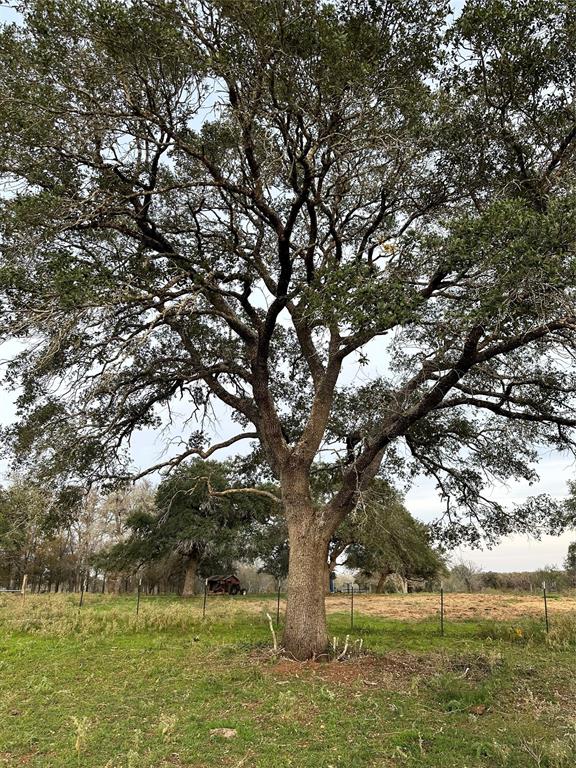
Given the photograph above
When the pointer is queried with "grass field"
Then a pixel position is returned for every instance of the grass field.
(104, 688)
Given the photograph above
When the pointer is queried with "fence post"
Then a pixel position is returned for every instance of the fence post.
(205, 595)
(442, 609)
(82, 587)
(352, 608)
(545, 607)
(138, 598)
(24, 583)
(278, 605)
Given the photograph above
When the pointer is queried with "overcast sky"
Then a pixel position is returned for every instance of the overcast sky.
(513, 554)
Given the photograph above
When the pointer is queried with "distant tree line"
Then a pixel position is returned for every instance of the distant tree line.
(467, 577)
(199, 521)
(56, 536)
(195, 523)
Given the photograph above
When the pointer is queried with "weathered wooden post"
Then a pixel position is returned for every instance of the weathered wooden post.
(82, 588)
(278, 605)
(24, 583)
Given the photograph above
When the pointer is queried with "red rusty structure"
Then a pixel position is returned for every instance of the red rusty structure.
(224, 585)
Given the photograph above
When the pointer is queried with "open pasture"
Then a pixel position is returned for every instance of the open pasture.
(457, 606)
(103, 688)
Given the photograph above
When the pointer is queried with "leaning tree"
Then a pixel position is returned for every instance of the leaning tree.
(222, 200)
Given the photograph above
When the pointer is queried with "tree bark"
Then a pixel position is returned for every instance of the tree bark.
(305, 632)
(381, 580)
(113, 584)
(191, 571)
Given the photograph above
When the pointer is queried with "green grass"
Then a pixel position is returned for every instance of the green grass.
(102, 688)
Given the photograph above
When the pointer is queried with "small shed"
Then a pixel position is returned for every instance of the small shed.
(224, 585)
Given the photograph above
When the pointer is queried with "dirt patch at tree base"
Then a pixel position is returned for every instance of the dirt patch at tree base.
(395, 671)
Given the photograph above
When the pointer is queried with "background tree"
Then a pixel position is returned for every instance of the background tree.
(379, 537)
(230, 200)
(23, 512)
(570, 563)
(54, 535)
(207, 531)
(465, 577)
(113, 514)
(385, 539)
(33, 518)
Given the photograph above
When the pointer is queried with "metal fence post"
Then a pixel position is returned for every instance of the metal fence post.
(138, 598)
(352, 608)
(24, 583)
(545, 607)
(82, 587)
(442, 610)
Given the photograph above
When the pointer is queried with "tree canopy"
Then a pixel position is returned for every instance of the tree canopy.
(221, 200)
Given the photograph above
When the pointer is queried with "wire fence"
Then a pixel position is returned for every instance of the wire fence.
(442, 603)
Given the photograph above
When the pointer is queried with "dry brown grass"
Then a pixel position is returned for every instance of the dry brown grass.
(457, 606)
(414, 607)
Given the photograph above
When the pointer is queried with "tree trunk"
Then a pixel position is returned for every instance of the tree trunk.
(381, 580)
(15, 581)
(113, 584)
(191, 572)
(305, 632)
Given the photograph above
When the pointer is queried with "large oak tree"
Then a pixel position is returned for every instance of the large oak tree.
(238, 201)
